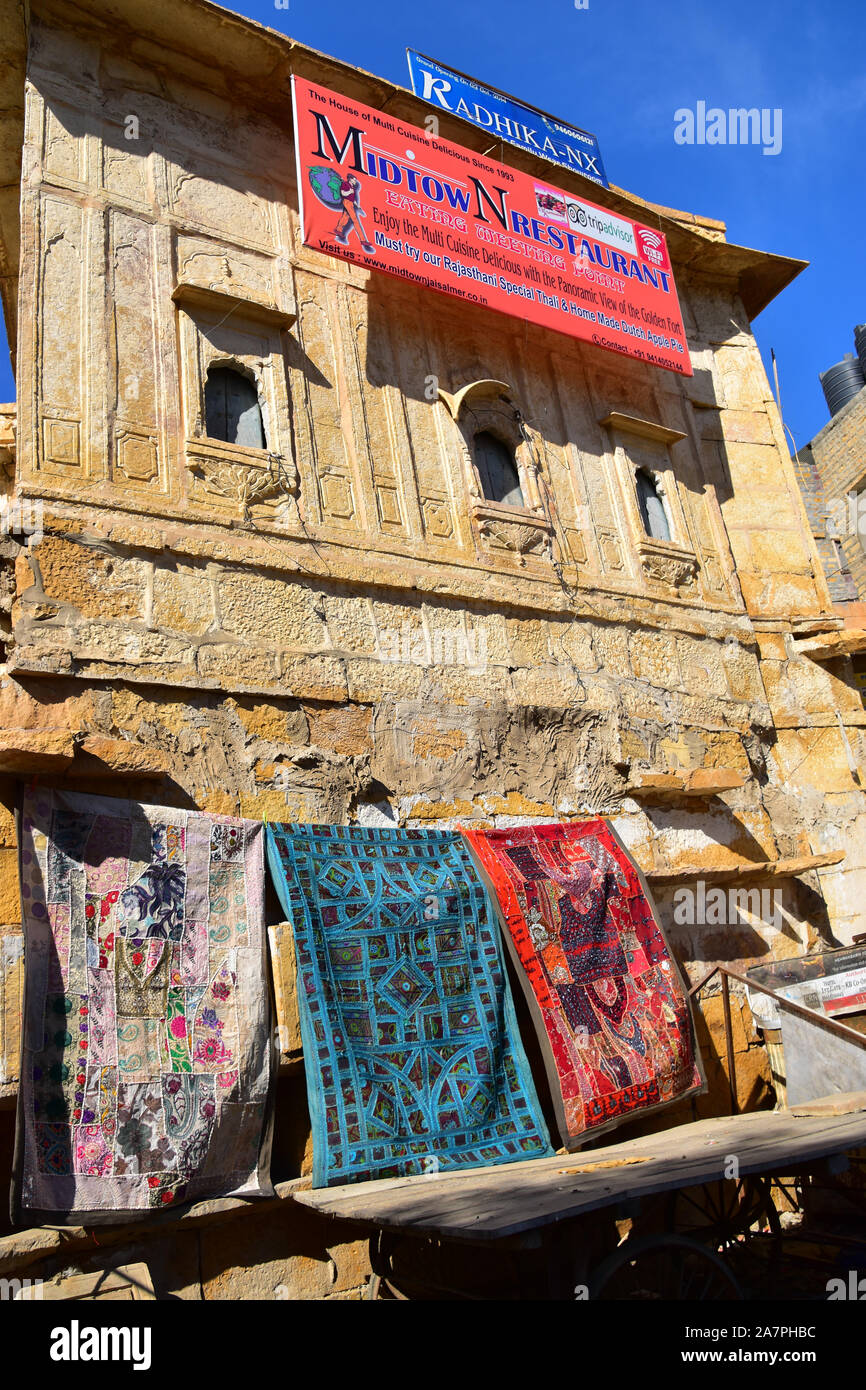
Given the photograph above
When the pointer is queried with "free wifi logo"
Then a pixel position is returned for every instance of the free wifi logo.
(652, 247)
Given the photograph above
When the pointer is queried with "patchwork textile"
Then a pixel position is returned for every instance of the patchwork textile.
(147, 1049)
(608, 1002)
(413, 1059)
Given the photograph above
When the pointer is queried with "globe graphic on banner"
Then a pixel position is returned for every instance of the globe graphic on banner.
(325, 184)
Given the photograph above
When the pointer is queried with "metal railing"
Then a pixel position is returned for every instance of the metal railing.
(829, 1025)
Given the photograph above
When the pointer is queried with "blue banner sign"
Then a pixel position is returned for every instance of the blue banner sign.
(521, 125)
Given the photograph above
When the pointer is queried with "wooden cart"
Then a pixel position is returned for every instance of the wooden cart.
(687, 1212)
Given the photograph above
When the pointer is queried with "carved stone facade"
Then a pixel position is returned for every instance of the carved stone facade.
(273, 631)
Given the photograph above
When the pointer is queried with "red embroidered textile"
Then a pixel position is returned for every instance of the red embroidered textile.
(605, 993)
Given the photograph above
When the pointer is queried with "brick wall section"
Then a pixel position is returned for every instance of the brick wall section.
(839, 456)
(834, 561)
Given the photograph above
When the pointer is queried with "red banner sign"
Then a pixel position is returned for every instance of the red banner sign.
(380, 193)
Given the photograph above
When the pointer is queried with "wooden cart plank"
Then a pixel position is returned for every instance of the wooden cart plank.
(491, 1203)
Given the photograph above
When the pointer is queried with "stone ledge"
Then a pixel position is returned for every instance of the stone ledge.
(701, 782)
(117, 757)
(31, 751)
(767, 868)
(193, 297)
(826, 646)
(36, 750)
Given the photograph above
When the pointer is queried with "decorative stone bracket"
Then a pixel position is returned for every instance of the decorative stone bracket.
(242, 483)
(664, 562)
(515, 529)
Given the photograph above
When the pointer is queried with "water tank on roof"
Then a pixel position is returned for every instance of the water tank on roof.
(841, 382)
(860, 345)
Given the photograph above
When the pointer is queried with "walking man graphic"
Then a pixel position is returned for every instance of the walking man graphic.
(350, 197)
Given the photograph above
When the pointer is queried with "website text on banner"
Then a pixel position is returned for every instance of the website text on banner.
(377, 192)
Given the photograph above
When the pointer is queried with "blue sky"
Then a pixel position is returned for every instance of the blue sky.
(621, 68)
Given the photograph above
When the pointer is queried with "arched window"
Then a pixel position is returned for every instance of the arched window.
(232, 410)
(497, 470)
(652, 507)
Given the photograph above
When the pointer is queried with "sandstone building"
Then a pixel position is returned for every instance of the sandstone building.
(265, 553)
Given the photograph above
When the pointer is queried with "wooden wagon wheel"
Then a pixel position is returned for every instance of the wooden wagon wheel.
(380, 1285)
(734, 1217)
(664, 1268)
(721, 1212)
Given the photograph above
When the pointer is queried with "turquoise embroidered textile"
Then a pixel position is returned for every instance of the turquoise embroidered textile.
(413, 1059)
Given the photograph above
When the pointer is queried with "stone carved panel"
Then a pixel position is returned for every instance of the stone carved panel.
(335, 487)
(60, 366)
(208, 199)
(63, 154)
(133, 345)
(611, 550)
(136, 456)
(319, 378)
(388, 497)
(438, 521)
(124, 166)
(713, 573)
(228, 482)
(201, 261)
(576, 546)
(521, 537)
(61, 442)
(372, 413)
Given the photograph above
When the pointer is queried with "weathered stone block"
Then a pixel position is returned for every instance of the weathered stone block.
(553, 687)
(10, 898)
(780, 552)
(572, 640)
(743, 674)
(702, 666)
(235, 666)
(97, 585)
(528, 642)
(271, 722)
(183, 600)
(314, 677)
(779, 595)
(273, 610)
(11, 1000)
(350, 624)
(346, 730)
(35, 750)
(654, 658)
(370, 680)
